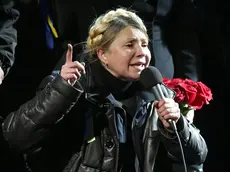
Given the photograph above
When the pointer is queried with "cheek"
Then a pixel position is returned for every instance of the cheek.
(148, 58)
(125, 59)
(120, 63)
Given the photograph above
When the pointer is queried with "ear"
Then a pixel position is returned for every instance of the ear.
(102, 56)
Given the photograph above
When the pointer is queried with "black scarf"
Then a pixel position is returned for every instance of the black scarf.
(105, 83)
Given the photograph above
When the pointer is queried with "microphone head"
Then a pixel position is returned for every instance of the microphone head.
(150, 77)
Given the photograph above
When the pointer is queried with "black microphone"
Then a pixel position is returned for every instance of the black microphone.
(151, 80)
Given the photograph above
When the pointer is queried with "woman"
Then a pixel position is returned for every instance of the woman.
(90, 117)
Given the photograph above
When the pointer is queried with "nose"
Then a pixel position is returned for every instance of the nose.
(141, 51)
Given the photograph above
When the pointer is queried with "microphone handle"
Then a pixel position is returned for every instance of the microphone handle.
(156, 93)
(160, 92)
(160, 95)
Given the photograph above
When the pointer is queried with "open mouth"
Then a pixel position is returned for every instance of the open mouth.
(139, 66)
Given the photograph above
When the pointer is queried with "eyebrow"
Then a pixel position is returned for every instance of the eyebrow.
(135, 39)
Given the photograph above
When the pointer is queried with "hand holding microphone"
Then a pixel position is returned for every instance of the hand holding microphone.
(167, 109)
(71, 70)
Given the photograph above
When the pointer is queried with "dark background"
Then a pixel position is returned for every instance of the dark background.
(34, 61)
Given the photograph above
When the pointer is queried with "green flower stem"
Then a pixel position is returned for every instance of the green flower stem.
(184, 108)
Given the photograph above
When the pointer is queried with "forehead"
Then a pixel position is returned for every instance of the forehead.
(130, 33)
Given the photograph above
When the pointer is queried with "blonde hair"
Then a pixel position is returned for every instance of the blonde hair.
(105, 28)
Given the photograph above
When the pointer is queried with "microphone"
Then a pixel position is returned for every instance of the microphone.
(151, 80)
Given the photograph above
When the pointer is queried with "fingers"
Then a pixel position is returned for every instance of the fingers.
(81, 66)
(167, 109)
(173, 116)
(165, 123)
(165, 105)
(69, 54)
(75, 65)
(70, 77)
(83, 63)
(73, 68)
(72, 71)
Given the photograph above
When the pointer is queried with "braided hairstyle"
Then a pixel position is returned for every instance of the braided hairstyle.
(106, 27)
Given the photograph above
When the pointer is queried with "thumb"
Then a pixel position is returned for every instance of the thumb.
(69, 54)
(83, 63)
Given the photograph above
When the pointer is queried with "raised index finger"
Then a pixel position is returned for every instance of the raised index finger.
(69, 54)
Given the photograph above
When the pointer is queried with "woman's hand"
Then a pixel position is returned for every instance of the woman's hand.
(167, 109)
(71, 70)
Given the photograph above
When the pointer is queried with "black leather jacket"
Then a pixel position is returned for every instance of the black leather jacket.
(64, 128)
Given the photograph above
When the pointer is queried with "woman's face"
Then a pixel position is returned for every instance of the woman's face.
(128, 54)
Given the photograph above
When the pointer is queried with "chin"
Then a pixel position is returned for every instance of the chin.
(135, 77)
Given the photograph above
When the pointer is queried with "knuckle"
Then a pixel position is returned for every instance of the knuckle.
(168, 110)
(77, 62)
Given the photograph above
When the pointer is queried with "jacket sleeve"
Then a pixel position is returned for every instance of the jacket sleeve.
(8, 34)
(31, 123)
(194, 146)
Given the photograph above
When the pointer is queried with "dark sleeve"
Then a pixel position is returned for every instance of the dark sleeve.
(31, 123)
(8, 34)
(194, 145)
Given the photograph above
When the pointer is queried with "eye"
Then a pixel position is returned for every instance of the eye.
(130, 45)
(144, 44)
